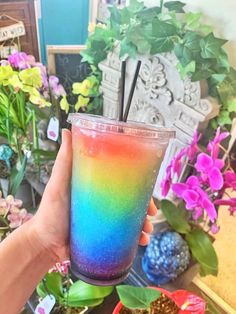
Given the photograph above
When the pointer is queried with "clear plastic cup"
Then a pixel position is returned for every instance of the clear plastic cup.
(115, 165)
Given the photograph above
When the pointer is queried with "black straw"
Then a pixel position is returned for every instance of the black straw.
(122, 98)
(131, 94)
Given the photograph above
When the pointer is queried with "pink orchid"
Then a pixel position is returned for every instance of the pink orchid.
(17, 218)
(210, 170)
(62, 267)
(195, 198)
(228, 202)
(193, 148)
(214, 228)
(230, 180)
(177, 161)
(166, 183)
(213, 146)
(20, 60)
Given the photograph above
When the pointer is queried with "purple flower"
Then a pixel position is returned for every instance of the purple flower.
(177, 162)
(229, 202)
(214, 228)
(210, 170)
(166, 183)
(193, 149)
(213, 146)
(195, 198)
(20, 60)
(230, 180)
(56, 88)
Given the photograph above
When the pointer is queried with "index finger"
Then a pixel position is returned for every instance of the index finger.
(152, 209)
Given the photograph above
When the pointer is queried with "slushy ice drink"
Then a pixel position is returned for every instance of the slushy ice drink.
(115, 165)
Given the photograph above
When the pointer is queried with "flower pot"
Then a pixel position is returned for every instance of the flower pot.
(187, 302)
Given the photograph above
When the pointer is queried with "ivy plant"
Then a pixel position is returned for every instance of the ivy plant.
(169, 28)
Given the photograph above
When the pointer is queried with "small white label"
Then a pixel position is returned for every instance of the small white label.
(46, 305)
(53, 129)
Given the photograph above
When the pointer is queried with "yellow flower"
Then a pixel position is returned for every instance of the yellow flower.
(64, 104)
(6, 72)
(81, 102)
(37, 99)
(31, 77)
(15, 82)
(82, 88)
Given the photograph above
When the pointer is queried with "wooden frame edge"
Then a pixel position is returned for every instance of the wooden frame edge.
(63, 49)
(213, 296)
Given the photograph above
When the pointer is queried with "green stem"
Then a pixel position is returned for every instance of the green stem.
(161, 4)
(35, 138)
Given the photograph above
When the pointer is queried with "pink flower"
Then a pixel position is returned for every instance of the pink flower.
(214, 228)
(210, 170)
(195, 198)
(230, 180)
(213, 146)
(229, 202)
(166, 183)
(177, 161)
(56, 88)
(61, 267)
(20, 60)
(17, 218)
(193, 149)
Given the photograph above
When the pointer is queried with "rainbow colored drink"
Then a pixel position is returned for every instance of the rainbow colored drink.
(115, 165)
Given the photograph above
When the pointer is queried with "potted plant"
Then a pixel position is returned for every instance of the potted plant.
(155, 300)
(71, 297)
(162, 29)
(206, 181)
(25, 92)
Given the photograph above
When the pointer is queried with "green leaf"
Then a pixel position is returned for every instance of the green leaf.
(227, 88)
(211, 46)
(188, 69)
(224, 118)
(78, 303)
(163, 33)
(203, 71)
(115, 16)
(175, 216)
(189, 50)
(136, 297)
(46, 155)
(53, 282)
(203, 251)
(139, 36)
(83, 292)
(192, 20)
(231, 104)
(149, 13)
(125, 16)
(17, 177)
(135, 6)
(176, 6)
(127, 48)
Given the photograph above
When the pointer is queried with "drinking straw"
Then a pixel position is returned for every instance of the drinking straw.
(122, 98)
(131, 94)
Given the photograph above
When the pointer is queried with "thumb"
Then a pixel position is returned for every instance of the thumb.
(60, 179)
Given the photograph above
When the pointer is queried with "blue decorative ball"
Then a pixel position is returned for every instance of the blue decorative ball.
(166, 257)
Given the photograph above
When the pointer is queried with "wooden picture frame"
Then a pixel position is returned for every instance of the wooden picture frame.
(53, 50)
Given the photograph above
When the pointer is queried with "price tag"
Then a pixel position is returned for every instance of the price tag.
(53, 129)
(46, 305)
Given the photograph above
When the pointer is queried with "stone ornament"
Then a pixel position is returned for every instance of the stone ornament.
(161, 98)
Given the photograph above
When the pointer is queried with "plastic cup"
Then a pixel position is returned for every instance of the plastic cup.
(115, 165)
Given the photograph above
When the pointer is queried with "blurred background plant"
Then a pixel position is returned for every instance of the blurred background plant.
(12, 215)
(166, 28)
(27, 94)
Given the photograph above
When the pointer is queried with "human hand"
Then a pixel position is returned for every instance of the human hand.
(51, 222)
